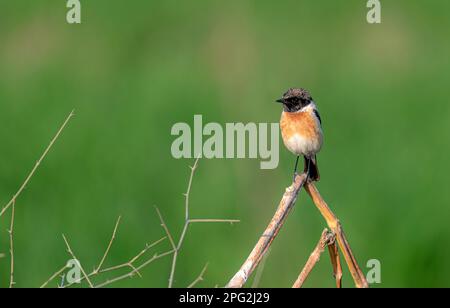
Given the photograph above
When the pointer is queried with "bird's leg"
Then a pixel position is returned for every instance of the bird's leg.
(307, 168)
(295, 168)
(308, 175)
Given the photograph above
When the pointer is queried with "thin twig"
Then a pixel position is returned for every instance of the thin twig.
(69, 250)
(172, 243)
(258, 252)
(38, 163)
(336, 263)
(199, 278)
(188, 221)
(11, 245)
(57, 274)
(109, 246)
(336, 228)
(163, 224)
(129, 264)
(188, 191)
(133, 272)
(325, 240)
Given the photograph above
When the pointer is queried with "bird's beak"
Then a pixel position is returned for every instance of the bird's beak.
(281, 101)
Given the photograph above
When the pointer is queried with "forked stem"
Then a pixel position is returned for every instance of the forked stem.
(326, 239)
(336, 263)
(336, 228)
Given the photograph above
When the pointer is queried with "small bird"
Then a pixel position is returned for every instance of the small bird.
(301, 129)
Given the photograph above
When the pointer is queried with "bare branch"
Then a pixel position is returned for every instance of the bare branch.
(258, 252)
(129, 264)
(336, 228)
(325, 240)
(163, 224)
(11, 245)
(174, 246)
(133, 272)
(188, 191)
(187, 222)
(336, 263)
(38, 163)
(109, 246)
(199, 278)
(57, 274)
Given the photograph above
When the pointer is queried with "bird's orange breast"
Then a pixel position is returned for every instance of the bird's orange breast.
(301, 123)
(301, 132)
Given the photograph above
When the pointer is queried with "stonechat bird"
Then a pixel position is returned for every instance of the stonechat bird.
(301, 129)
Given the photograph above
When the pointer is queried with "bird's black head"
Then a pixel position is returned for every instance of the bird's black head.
(295, 99)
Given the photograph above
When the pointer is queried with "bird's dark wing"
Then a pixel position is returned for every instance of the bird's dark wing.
(318, 116)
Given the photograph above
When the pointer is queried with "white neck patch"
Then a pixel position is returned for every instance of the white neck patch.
(311, 107)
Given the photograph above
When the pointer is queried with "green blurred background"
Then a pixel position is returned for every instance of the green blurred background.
(133, 69)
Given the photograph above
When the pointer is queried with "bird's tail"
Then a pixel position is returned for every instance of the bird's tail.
(311, 164)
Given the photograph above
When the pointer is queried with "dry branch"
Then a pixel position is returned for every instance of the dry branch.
(12, 202)
(113, 237)
(336, 228)
(286, 204)
(336, 263)
(57, 274)
(258, 252)
(130, 264)
(199, 278)
(326, 239)
(11, 245)
(175, 248)
(136, 270)
(188, 221)
(172, 243)
(36, 166)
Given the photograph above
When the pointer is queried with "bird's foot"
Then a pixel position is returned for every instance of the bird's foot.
(308, 177)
